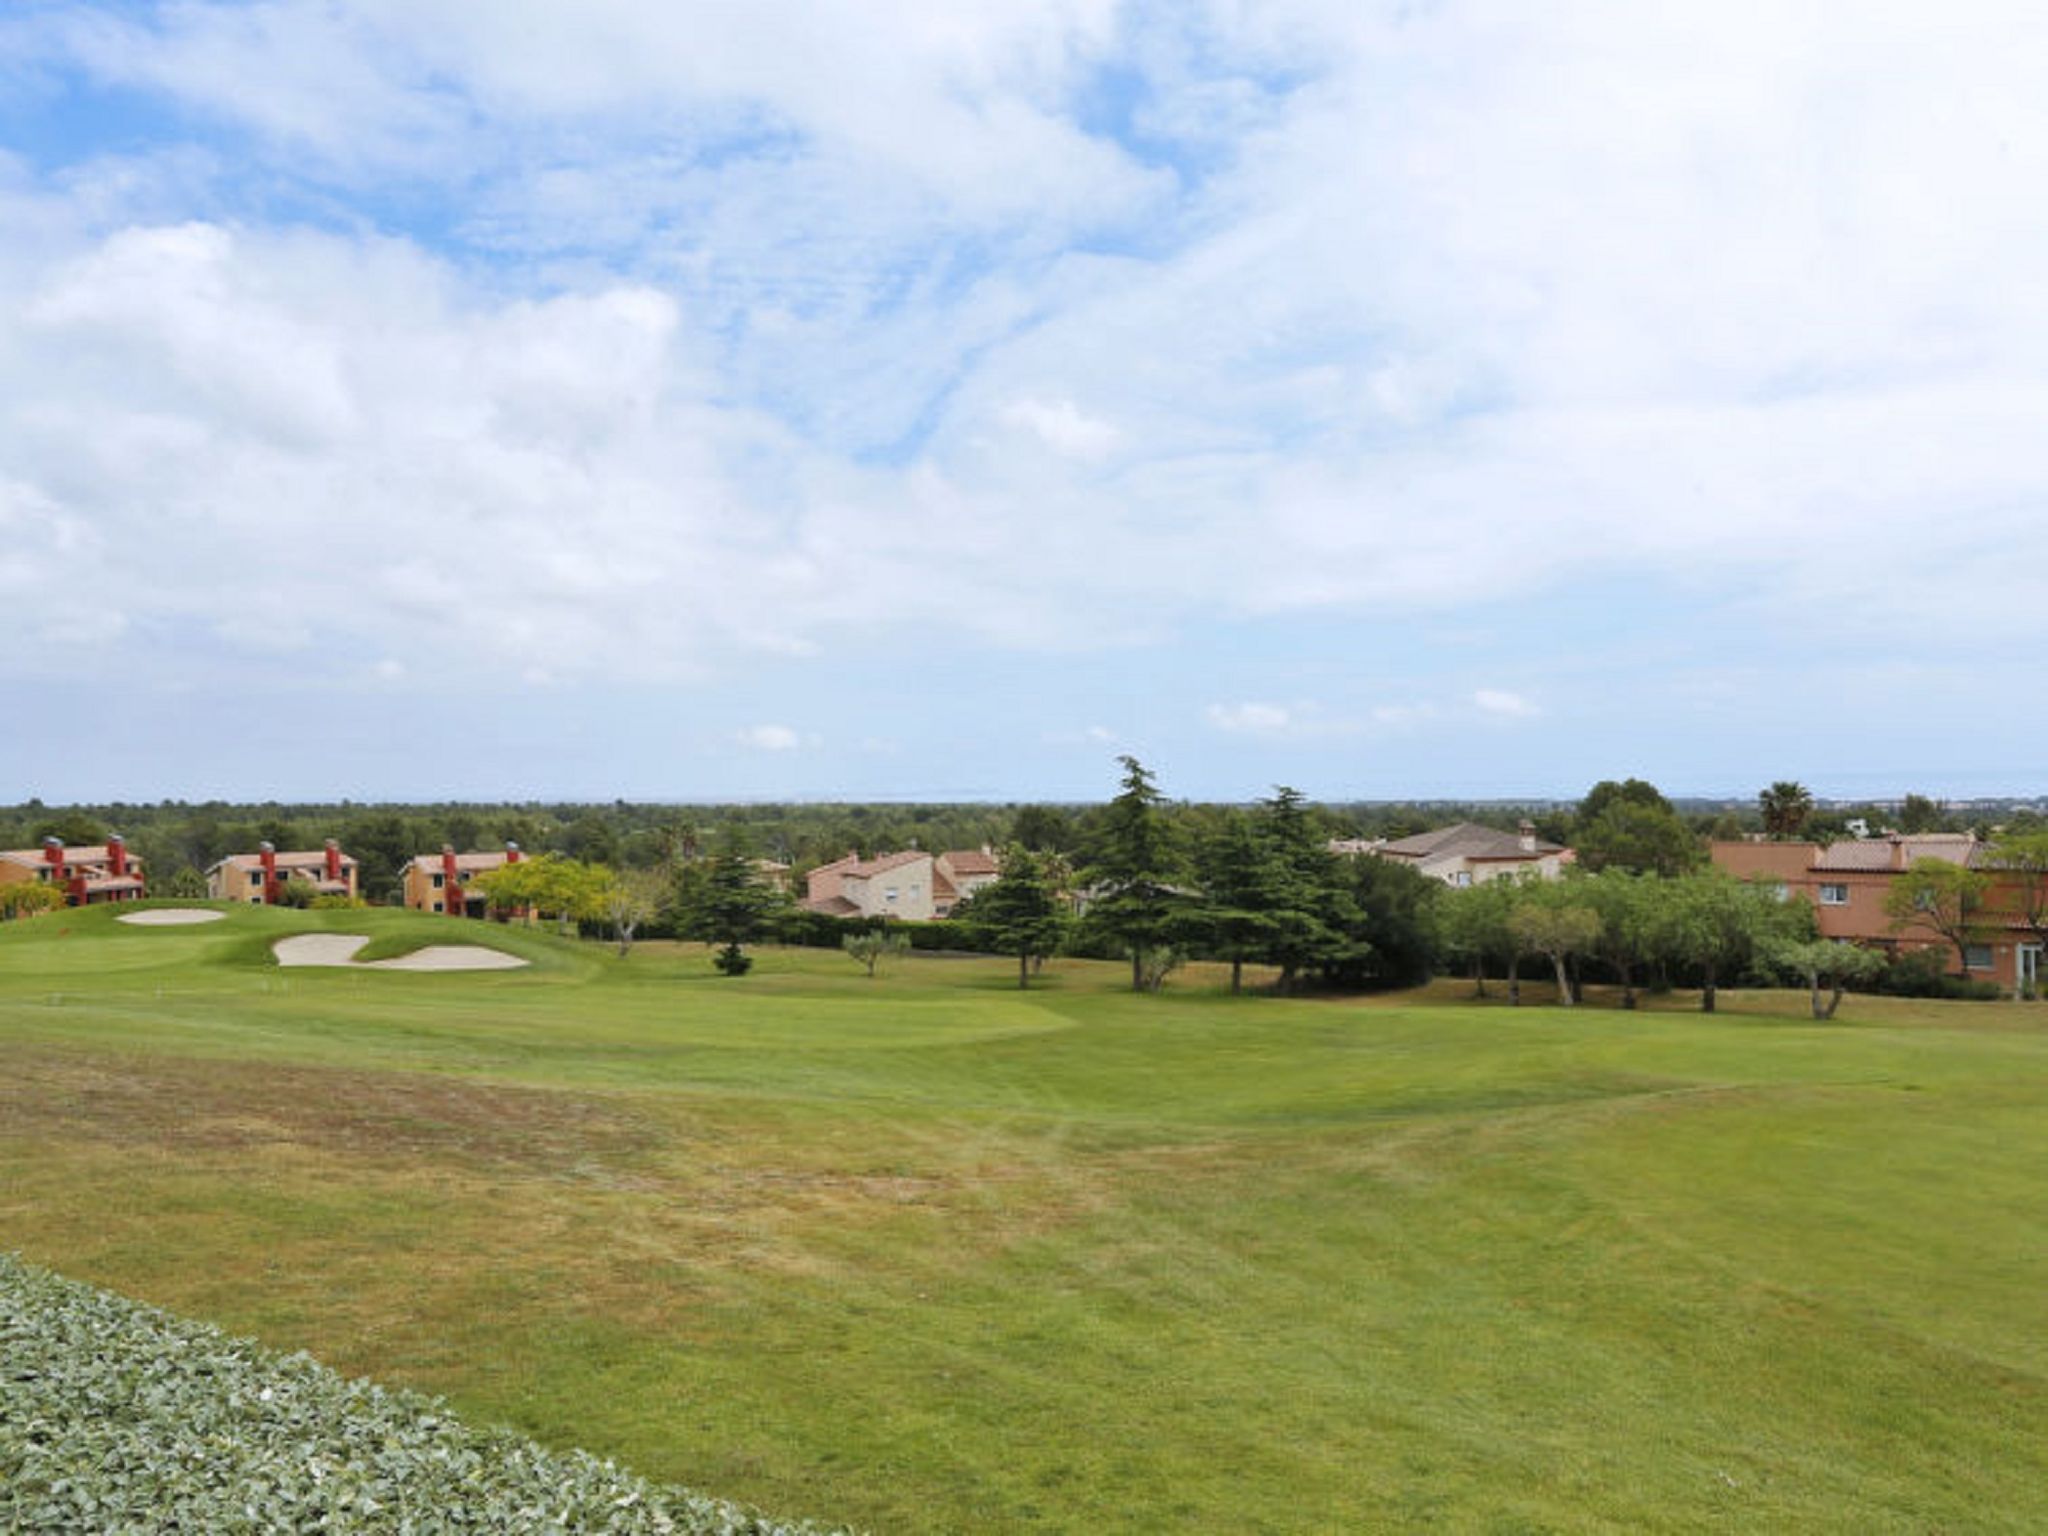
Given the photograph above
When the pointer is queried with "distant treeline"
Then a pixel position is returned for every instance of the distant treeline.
(175, 837)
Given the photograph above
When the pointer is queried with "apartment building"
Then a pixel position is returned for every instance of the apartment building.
(88, 876)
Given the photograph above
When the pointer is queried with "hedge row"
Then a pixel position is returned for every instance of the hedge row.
(118, 1417)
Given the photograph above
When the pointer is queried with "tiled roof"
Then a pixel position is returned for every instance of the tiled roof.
(1877, 854)
(79, 858)
(833, 906)
(1466, 839)
(431, 862)
(971, 861)
(882, 863)
(296, 860)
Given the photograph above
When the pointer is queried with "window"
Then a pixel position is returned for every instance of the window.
(437, 906)
(1462, 878)
(1977, 957)
(1781, 892)
(1834, 895)
(437, 886)
(255, 877)
(889, 894)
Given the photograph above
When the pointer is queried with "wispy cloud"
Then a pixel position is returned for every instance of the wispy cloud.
(769, 738)
(1504, 705)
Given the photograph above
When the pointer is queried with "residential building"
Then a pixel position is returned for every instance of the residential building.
(912, 885)
(440, 882)
(259, 878)
(1469, 854)
(88, 876)
(1849, 884)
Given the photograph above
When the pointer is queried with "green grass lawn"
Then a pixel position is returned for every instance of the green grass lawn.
(928, 1254)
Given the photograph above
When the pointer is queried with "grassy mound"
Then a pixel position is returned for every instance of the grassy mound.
(118, 1417)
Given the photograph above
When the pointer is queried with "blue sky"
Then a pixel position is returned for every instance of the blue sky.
(441, 398)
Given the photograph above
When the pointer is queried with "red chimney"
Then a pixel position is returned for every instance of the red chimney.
(117, 856)
(512, 853)
(451, 882)
(53, 852)
(267, 852)
(77, 888)
(333, 860)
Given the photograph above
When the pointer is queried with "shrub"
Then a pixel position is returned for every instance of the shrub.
(118, 1416)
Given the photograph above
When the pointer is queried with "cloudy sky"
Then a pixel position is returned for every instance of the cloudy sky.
(485, 398)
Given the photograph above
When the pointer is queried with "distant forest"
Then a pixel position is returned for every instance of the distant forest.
(174, 836)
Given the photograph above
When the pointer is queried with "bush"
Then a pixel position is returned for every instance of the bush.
(733, 961)
(118, 1416)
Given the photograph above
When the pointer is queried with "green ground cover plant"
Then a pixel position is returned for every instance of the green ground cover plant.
(929, 1253)
(120, 1417)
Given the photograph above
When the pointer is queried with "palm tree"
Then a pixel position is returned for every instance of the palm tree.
(1785, 807)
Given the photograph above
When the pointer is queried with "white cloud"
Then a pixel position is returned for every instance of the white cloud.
(1505, 705)
(1062, 428)
(792, 306)
(1249, 719)
(769, 738)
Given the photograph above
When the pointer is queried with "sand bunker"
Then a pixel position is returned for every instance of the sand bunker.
(340, 949)
(170, 917)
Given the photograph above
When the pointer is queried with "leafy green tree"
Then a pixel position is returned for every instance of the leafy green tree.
(629, 899)
(1382, 919)
(184, 883)
(1627, 906)
(1720, 925)
(74, 828)
(1552, 924)
(1136, 869)
(1785, 807)
(1019, 913)
(871, 948)
(1608, 793)
(1945, 899)
(1642, 838)
(1043, 829)
(26, 898)
(2021, 859)
(1822, 965)
(1472, 922)
(1919, 813)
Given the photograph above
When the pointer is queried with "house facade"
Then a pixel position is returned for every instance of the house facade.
(913, 886)
(259, 878)
(440, 882)
(88, 876)
(1849, 884)
(1469, 854)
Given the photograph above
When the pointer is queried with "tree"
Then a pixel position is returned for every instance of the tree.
(1240, 889)
(1135, 868)
(1822, 964)
(1785, 807)
(1019, 913)
(548, 885)
(1607, 793)
(1472, 922)
(1632, 835)
(1557, 929)
(629, 898)
(1626, 905)
(1944, 898)
(26, 898)
(1042, 829)
(874, 946)
(725, 901)
(1919, 813)
(1382, 921)
(185, 883)
(1719, 925)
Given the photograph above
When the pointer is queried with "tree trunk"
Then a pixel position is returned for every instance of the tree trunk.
(1023, 972)
(1813, 993)
(1564, 983)
(1137, 970)
(1628, 985)
(1707, 992)
(1478, 977)
(1835, 1001)
(1236, 975)
(1515, 982)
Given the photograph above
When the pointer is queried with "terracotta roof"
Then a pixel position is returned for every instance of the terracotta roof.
(81, 855)
(1879, 854)
(470, 862)
(971, 861)
(297, 860)
(1466, 839)
(882, 863)
(833, 906)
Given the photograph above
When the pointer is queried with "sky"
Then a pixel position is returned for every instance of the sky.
(506, 399)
